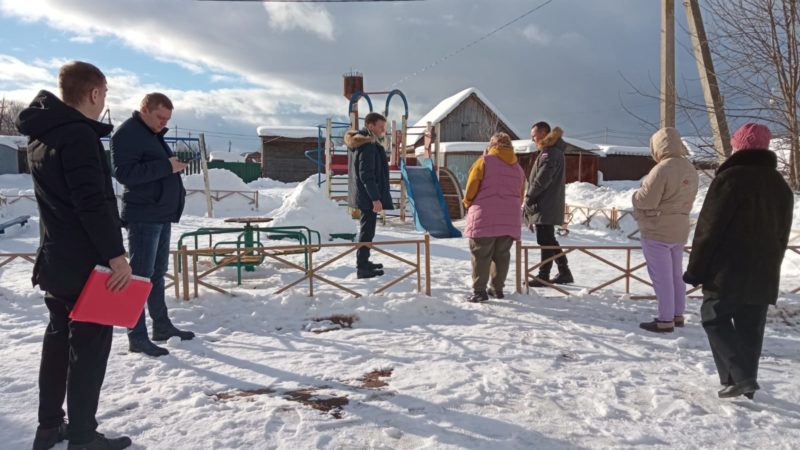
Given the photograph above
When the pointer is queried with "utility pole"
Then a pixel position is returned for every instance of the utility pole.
(708, 80)
(667, 64)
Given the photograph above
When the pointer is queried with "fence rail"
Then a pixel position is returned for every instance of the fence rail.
(186, 261)
(525, 271)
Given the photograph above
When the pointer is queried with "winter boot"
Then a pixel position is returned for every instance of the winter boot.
(162, 335)
(564, 276)
(368, 273)
(47, 438)
(146, 347)
(537, 283)
(374, 266)
(101, 442)
(679, 321)
(478, 297)
(747, 388)
(657, 326)
(495, 293)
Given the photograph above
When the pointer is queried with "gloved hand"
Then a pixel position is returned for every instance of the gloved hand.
(691, 279)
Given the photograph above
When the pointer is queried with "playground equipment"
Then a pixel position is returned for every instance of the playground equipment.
(21, 221)
(406, 179)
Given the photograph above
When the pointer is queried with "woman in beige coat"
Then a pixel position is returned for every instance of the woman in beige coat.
(661, 207)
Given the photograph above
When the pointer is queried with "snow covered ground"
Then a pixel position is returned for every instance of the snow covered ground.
(535, 371)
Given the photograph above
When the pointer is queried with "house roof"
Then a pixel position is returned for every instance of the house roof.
(448, 105)
(293, 132)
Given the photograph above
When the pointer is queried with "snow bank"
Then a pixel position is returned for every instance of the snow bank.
(268, 183)
(308, 206)
(219, 180)
(14, 141)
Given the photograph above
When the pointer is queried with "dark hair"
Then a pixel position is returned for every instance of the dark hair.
(373, 118)
(76, 80)
(153, 100)
(544, 125)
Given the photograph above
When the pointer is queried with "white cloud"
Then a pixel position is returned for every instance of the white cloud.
(16, 72)
(314, 18)
(536, 35)
(82, 39)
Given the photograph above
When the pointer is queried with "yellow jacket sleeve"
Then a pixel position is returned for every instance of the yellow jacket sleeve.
(474, 181)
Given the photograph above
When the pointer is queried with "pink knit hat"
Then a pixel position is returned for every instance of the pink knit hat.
(751, 136)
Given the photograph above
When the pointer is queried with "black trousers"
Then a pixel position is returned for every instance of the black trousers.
(74, 358)
(736, 334)
(546, 236)
(366, 233)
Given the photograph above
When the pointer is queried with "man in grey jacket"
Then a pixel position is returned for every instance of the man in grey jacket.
(544, 200)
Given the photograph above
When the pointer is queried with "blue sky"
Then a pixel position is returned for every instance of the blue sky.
(231, 67)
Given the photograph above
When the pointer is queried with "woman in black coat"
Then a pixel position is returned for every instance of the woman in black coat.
(738, 249)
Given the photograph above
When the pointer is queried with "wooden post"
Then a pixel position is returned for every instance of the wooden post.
(437, 141)
(185, 272)
(628, 274)
(667, 63)
(427, 264)
(708, 80)
(419, 271)
(310, 270)
(525, 268)
(518, 264)
(176, 274)
(204, 166)
(328, 157)
(194, 276)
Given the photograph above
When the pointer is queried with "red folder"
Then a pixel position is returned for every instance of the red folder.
(97, 304)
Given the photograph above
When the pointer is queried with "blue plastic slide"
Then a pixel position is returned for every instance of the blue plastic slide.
(427, 201)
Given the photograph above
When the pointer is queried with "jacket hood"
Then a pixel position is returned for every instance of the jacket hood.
(551, 139)
(667, 143)
(47, 112)
(506, 154)
(356, 138)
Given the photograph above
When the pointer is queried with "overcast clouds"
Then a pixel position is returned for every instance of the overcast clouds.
(282, 63)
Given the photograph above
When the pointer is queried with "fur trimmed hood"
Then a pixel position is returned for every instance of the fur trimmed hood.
(551, 139)
(356, 138)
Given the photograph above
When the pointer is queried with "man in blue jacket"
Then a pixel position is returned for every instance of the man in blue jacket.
(153, 199)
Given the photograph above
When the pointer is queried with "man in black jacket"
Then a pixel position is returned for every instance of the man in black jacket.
(368, 185)
(153, 199)
(738, 249)
(545, 199)
(80, 228)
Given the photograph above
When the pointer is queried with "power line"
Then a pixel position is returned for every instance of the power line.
(473, 43)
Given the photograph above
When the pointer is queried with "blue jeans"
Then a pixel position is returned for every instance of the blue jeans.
(148, 244)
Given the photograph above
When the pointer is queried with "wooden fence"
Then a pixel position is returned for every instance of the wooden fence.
(187, 261)
(627, 268)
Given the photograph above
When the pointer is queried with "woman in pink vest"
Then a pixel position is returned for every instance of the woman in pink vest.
(495, 189)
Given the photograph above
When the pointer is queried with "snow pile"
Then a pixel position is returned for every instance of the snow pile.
(14, 141)
(228, 156)
(268, 183)
(11, 188)
(219, 180)
(308, 206)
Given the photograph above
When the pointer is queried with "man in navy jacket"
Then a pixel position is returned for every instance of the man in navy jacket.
(153, 199)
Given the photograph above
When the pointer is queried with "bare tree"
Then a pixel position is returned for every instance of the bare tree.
(756, 50)
(9, 110)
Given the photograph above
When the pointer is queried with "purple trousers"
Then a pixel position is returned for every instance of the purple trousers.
(665, 266)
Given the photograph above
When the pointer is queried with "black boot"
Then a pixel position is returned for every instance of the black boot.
(47, 438)
(163, 335)
(657, 326)
(478, 297)
(495, 293)
(747, 388)
(146, 347)
(564, 276)
(374, 266)
(101, 442)
(369, 273)
(537, 283)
